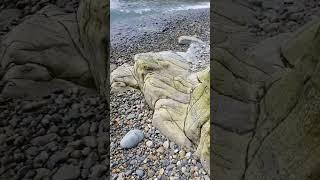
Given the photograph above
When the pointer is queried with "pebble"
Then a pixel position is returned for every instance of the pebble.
(139, 172)
(188, 155)
(131, 139)
(90, 141)
(166, 144)
(67, 172)
(149, 143)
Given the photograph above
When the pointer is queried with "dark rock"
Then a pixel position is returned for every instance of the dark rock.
(86, 151)
(76, 154)
(43, 140)
(101, 144)
(83, 130)
(33, 105)
(97, 171)
(31, 173)
(85, 173)
(32, 151)
(76, 144)
(90, 141)
(67, 172)
(90, 160)
(42, 173)
(57, 157)
(41, 158)
(23, 171)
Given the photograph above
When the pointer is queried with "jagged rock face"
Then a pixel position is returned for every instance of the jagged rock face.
(180, 98)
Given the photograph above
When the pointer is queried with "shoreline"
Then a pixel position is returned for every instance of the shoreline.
(157, 33)
(155, 156)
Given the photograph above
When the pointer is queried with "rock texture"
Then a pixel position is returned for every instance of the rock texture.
(179, 97)
(52, 122)
(53, 48)
(265, 99)
(93, 16)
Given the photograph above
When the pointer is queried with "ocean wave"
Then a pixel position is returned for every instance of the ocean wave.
(204, 5)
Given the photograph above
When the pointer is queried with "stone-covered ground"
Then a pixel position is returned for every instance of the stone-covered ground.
(60, 136)
(155, 157)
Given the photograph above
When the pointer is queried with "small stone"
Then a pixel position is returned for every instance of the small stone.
(76, 154)
(149, 143)
(160, 149)
(161, 172)
(128, 173)
(42, 173)
(182, 154)
(179, 163)
(166, 144)
(130, 116)
(97, 171)
(183, 169)
(86, 151)
(43, 140)
(188, 155)
(42, 157)
(140, 172)
(83, 130)
(67, 172)
(56, 158)
(131, 139)
(90, 141)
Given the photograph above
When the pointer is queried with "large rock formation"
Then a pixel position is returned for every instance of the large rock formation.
(180, 97)
(54, 49)
(266, 100)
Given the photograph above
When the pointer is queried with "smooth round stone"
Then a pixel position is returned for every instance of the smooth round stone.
(131, 139)
(139, 172)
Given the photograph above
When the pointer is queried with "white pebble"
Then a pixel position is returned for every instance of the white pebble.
(166, 144)
(149, 143)
(188, 155)
(183, 169)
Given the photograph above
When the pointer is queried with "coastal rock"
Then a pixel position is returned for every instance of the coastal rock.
(131, 139)
(180, 98)
(263, 96)
(39, 58)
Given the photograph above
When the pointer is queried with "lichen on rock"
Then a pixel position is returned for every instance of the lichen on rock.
(179, 96)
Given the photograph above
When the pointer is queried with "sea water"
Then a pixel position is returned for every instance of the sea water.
(126, 9)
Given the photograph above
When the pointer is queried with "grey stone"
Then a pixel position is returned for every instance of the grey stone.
(57, 157)
(140, 172)
(131, 139)
(97, 171)
(43, 140)
(67, 172)
(42, 173)
(83, 130)
(90, 141)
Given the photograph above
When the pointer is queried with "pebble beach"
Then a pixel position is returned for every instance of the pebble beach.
(155, 157)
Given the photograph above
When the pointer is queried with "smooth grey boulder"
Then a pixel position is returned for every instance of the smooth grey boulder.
(131, 139)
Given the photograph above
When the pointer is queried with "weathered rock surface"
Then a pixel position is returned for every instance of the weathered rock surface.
(53, 48)
(265, 98)
(93, 16)
(179, 97)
